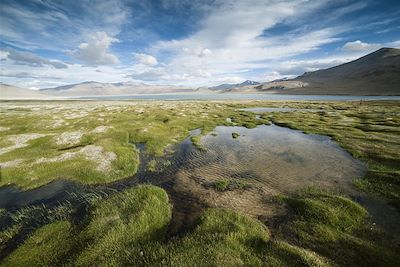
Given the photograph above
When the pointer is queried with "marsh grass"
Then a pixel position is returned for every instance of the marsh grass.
(225, 184)
(48, 246)
(196, 141)
(369, 131)
(152, 165)
(158, 125)
(337, 228)
(129, 229)
(125, 221)
(221, 185)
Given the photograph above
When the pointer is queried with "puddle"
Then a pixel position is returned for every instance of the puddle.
(271, 160)
(58, 191)
(282, 159)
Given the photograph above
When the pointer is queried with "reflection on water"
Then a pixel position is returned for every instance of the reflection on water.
(58, 190)
(271, 160)
(282, 159)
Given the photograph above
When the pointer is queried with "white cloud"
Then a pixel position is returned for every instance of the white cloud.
(230, 79)
(55, 25)
(198, 51)
(232, 38)
(47, 76)
(395, 44)
(358, 46)
(27, 58)
(4, 54)
(204, 53)
(151, 75)
(145, 59)
(233, 41)
(292, 68)
(95, 50)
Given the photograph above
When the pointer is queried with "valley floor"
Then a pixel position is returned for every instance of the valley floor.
(106, 150)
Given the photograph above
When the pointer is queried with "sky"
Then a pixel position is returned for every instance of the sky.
(191, 43)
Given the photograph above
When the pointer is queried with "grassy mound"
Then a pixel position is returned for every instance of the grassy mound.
(48, 246)
(221, 238)
(334, 212)
(116, 228)
(123, 224)
(112, 127)
(333, 226)
(128, 229)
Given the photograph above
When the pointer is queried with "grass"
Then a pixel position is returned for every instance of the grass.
(48, 246)
(225, 184)
(158, 125)
(128, 229)
(152, 165)
(196, 141)
(369, 131)
(221, 185)
(335, 227)
(120, 223)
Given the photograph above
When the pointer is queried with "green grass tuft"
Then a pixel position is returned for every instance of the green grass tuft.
(335, 227)
(47, 246)
(221, 185)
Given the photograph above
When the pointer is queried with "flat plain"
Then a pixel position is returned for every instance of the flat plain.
(184, 182)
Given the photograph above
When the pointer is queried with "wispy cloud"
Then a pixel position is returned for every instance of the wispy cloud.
(57, 25)
(231, 39)
(186, 42)
(30, 59)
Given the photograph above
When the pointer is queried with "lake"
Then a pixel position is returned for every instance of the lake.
(238, 97)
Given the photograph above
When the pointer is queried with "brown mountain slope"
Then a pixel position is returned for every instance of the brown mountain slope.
(13, 92)
(377, 73)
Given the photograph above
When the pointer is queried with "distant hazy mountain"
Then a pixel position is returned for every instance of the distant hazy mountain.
(227, 86)
(122, 88)
(14, 92)
(377, 73)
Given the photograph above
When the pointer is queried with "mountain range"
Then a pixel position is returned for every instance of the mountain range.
(13, 92)
(377, 73)
(227, 86)
(106, 89)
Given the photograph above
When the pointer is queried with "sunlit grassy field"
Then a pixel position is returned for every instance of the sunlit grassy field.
(44, 141)
(129, 229)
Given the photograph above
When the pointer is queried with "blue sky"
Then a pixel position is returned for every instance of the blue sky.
(47, 43)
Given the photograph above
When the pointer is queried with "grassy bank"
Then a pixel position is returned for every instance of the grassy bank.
(370, 131)
(129, 229)
(93, 142)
